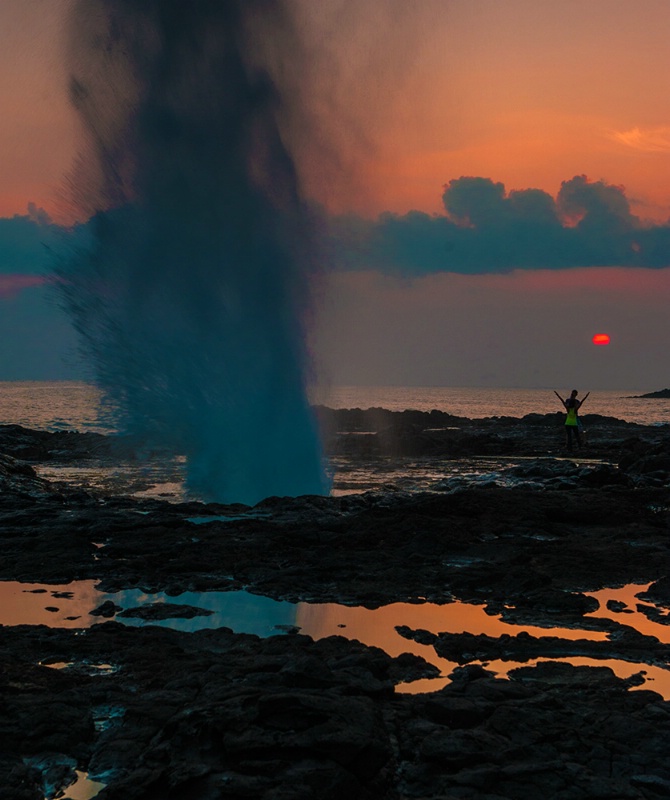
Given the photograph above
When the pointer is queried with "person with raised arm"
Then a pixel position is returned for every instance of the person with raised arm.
(572, 406)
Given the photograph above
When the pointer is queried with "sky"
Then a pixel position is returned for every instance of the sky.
(499, 193)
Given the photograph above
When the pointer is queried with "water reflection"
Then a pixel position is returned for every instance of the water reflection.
(70, 606)
(58, 606)
(241, 611)
(627, 596)
(84, 788)
(377, 628)
(163, 478)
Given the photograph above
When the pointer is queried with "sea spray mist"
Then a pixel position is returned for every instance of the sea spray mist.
(191, 284)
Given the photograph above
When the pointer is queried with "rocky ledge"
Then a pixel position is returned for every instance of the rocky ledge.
(379, 432)
(155, 713)
(661, 394)
(213, 714)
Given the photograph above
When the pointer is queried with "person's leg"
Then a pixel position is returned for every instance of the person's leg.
(577, 437)
(568, 436)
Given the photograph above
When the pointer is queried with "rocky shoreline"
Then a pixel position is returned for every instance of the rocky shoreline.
(218, 714)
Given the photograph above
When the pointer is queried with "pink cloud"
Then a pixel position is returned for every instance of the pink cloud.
(11, 285)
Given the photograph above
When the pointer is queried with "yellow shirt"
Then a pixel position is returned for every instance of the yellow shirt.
(571, 419)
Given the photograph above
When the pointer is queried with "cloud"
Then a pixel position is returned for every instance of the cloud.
(11, 285)
(649, 140)
(30, 246)
(486, 230)
(27, 242)
(39, 338)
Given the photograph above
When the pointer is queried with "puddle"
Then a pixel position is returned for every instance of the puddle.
(203, 520)
(70, 606)
(83, 789)
(377, 628)
(37, 604)
(56, 770)
(163, 478)
(58, 606)
(629, 615)
(84, 666)
(152, 478)
(241, 611)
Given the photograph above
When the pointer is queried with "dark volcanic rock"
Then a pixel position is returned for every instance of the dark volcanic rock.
(187, 715)
(478, 544)
(199, 716)
(661, 394)
(19, 480)
(216, 714)
(658, 592)
(378, 432)
(550, 736)
(624, 643)
(32, 445)
(106, 610)
(648, 464)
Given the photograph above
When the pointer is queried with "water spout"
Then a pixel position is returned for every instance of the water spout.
(191, 289)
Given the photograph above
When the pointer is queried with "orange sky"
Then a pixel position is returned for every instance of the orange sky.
(523, 92)
(531, 94)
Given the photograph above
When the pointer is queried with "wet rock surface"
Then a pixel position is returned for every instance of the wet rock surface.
(437, 433)
(218, 714)
(214, 714)
(625, 644)
(32, 445)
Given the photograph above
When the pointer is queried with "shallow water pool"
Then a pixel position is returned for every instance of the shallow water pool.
(70, 606)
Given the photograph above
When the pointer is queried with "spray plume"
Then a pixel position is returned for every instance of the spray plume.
(191, 293)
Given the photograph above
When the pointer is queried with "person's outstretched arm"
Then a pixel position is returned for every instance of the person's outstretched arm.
(584, 398)
(559, 397)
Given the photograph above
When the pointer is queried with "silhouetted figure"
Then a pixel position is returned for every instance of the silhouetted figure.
(572, 406)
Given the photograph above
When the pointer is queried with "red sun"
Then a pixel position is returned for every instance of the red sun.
(601, 338)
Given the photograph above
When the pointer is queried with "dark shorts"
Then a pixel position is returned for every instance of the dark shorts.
(569, 431)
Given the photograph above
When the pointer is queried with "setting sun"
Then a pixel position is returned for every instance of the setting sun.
(601, 338)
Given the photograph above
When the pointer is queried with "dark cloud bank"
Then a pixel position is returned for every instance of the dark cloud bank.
(486, 230)
(26, 243)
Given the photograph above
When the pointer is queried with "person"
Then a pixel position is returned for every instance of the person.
(572, 424)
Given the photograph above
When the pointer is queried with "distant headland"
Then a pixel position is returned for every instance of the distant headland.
(662, 394)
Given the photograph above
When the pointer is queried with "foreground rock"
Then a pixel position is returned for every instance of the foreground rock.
(214, 714)
(199, 715)
(481, 544)
(154, 713)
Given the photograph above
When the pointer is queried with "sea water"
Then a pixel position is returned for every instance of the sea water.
(62, 405)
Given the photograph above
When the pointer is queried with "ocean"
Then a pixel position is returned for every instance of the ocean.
(70, 405)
